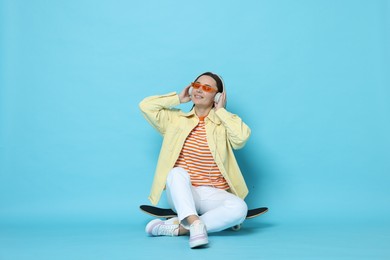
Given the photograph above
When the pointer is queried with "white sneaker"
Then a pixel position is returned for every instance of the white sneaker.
(198, 234)
(158, 227)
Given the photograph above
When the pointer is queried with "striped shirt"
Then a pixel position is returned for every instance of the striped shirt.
(196, 158)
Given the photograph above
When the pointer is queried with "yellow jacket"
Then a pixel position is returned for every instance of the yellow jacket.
(224, 131)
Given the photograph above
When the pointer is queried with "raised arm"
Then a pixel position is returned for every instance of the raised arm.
(237, 131)
(158, 110)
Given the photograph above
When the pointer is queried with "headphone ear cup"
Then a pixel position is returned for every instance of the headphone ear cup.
(217, 97)
(190, 91)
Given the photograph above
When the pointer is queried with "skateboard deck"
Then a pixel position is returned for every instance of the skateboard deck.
(169, 213)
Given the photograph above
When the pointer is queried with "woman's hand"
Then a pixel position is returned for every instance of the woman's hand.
(222, 101)
(184, 96)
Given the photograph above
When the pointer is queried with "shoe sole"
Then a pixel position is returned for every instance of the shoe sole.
(199, 242)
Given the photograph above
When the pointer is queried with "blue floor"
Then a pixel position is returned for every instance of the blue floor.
(257, 239)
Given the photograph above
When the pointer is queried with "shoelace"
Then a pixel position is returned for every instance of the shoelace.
(198, 228)
(167, 229)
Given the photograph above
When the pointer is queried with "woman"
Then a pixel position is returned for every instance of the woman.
(196, 166)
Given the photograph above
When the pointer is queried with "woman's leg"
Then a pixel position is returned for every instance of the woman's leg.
(181, 195)
(180, 198)
(183, 199)
(220, 209)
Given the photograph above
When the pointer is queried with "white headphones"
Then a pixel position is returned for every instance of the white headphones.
(218, 95)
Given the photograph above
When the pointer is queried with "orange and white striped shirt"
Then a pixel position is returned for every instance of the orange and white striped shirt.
(196, 158)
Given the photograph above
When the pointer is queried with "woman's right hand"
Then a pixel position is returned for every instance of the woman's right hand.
(184, 96)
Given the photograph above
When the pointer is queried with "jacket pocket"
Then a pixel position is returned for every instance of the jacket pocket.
(171, 138)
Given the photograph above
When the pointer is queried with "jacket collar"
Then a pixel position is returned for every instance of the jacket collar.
(212, 116)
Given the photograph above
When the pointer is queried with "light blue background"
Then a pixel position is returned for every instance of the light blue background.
(311, 79)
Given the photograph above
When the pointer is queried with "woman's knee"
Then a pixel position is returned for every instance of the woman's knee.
(238, 208)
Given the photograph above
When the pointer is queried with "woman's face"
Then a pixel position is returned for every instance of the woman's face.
(202, 98)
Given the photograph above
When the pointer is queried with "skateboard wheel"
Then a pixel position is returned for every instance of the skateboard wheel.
(236, 227)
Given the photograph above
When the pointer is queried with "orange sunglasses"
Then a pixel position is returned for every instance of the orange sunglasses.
(205, 88)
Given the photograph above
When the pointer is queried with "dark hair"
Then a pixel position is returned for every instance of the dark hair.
(217, 79)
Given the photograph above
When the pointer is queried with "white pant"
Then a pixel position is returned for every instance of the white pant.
(218, 209)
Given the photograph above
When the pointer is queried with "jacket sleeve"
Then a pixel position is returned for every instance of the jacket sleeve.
(237, 131)
(158, 111)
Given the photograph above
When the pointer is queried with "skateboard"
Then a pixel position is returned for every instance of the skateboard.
(169, 213)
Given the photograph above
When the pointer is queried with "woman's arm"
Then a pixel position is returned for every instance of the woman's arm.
(158, 111)
(237, 131)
